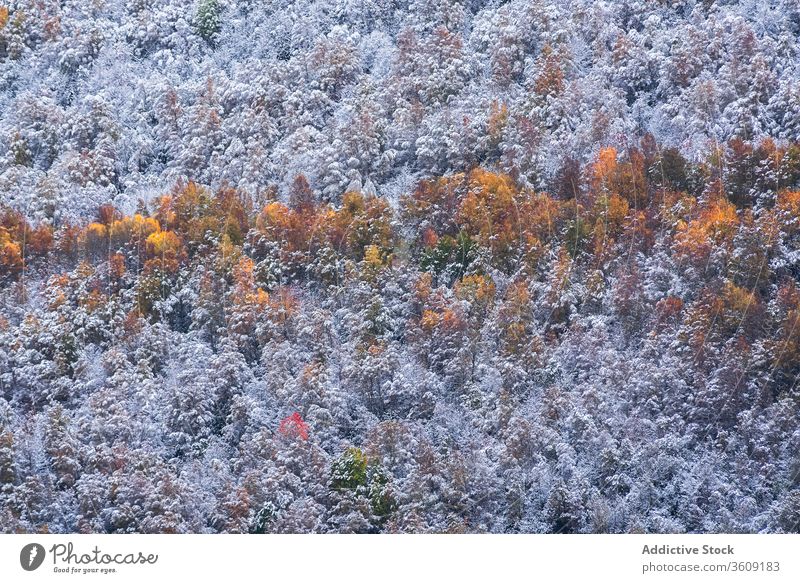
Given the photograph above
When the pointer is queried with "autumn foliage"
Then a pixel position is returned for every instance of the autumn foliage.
(475, 293)
(294, 427)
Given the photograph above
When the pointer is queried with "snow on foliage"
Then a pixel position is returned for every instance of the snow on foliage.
(525, 266)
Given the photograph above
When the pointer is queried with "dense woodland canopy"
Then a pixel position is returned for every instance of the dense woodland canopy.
(412, 266)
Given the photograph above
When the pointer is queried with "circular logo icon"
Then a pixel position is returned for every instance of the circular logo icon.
(31, 556)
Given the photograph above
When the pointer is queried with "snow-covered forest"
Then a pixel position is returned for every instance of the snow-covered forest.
(399, 266)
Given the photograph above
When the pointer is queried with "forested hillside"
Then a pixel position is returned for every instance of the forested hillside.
(426, 266)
